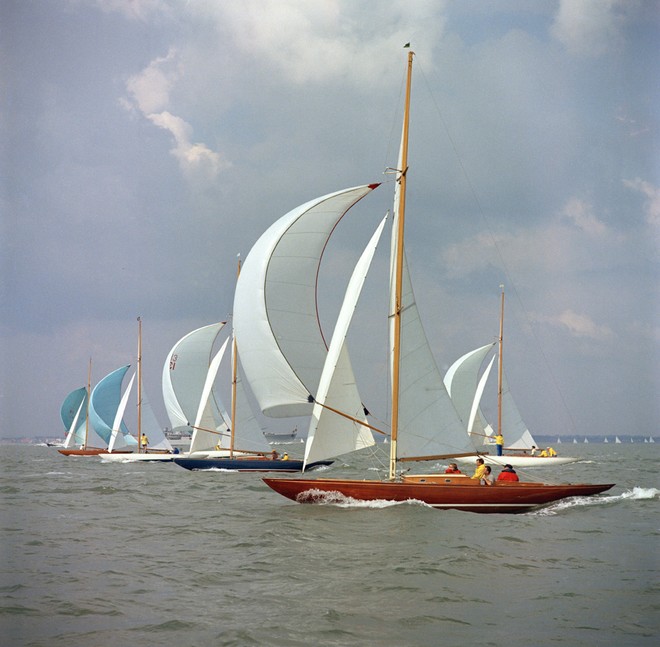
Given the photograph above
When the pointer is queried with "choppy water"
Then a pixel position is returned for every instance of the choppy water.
(99, 554)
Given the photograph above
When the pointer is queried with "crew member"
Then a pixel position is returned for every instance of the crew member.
(508, 474)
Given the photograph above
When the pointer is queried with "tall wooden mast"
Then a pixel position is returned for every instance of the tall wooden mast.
(500, 366)
(234, 372)
(89, 395)
(139, 386)
(398, 260)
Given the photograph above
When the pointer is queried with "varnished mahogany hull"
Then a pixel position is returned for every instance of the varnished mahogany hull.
(90, 451)
(452, 494)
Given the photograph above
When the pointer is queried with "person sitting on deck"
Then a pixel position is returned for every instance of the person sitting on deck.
(508, 474)
(452, 469)
(534, 450)
(551, 452)
(285, 457)
(481, 468)
(487, 478)
(544, 454)
(274, 455)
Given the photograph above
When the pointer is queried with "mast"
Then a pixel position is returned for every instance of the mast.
(234, 372)
(139, 385)
(89, 391)
(500, 366)
(398, 259)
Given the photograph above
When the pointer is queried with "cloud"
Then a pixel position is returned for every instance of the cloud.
(339, 38)
(536, 250)
(580, 213)
(652, 205)
(197, 161)
(589, 27)
(578, 325)
(150, 92)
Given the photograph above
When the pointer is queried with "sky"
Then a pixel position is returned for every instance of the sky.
(147, 143)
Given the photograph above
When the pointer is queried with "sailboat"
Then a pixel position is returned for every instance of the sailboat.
(465, 387)
(88, 435)
(424, 422)
(157, 447)
(242, 445)
(617, 440)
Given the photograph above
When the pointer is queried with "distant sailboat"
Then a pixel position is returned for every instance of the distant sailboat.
(465, 386)
(617, 440)
(153, 445)
(606, 441)
(91, 433)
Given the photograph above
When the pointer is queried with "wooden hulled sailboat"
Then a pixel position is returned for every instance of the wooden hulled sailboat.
(424, 423)
(240, 445)
(92, 439)
(157, 447)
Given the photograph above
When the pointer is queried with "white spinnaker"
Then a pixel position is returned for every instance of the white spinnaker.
(184, 374)
(329, 433)
(474, 411)
(461, 381)
(117, 438)
(275, 307)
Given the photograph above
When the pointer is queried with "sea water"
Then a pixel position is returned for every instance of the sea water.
(98, 554)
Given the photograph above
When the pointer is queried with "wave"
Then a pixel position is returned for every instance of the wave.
(340, 500)
(636, 494)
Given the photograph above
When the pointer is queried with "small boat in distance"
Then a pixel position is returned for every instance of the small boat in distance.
(90, 432)
(152, 447)
(465, 385)
(424, 422)
(281, 437)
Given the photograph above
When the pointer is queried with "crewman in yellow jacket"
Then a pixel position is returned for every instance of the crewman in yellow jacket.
(480, 471)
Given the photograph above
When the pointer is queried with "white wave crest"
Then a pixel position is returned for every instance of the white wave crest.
(636, 494)
(340, 500)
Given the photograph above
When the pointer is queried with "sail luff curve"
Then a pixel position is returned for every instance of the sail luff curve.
(275, 308)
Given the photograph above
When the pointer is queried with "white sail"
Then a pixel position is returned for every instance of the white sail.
(184, 375)
(275, 308)
(117, 438)
(330, 434)
(475, 424)
(462, 383)
(204, 436)
(248, 434)
(151, 427)
(68, 442)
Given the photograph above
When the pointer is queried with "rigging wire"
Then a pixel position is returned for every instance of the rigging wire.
(495, 245)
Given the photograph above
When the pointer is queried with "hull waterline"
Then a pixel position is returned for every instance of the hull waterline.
(118, 457)
(90, 451)
(450, 494)
(247, 464)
